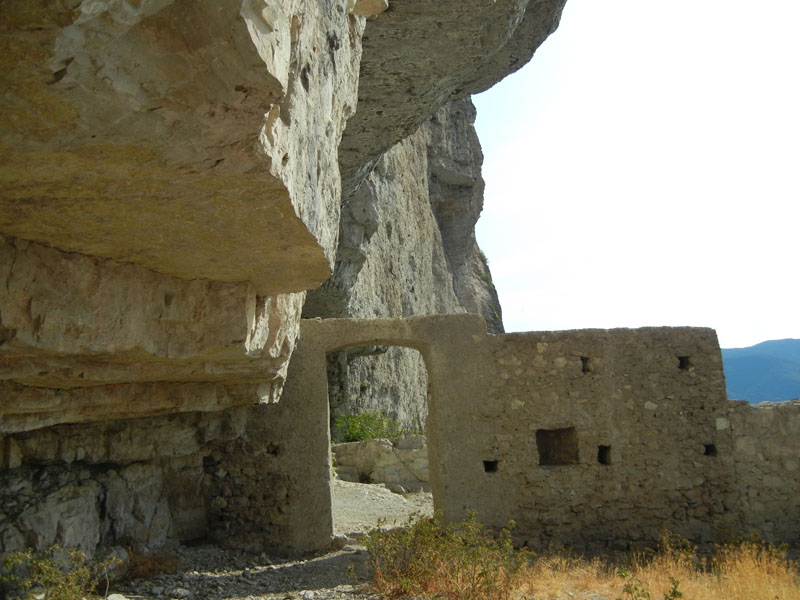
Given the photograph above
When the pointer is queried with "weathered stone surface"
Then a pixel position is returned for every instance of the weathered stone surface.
(196, 140)
(27, 408)
(587, 438)
(407, 247)
(400, 463)
(134, 482)
(242, 477)
(123, 442)
(81, 313)
(455, 188)
(419, 56)
(390, 262)
(134, 336)
(768, 465)
(185, 136)
(368, 8)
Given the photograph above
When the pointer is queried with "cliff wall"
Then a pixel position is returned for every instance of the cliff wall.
(407, 247)
(171, 176)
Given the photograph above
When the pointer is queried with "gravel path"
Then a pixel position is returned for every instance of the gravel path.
(210, 573)
(359, 507)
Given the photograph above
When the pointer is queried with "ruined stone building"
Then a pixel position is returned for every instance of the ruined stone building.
(184, 180)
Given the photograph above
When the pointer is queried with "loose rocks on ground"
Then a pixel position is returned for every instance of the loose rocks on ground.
(212, 573)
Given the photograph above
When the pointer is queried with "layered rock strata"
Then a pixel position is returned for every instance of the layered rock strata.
(171, 188)
(175, 165)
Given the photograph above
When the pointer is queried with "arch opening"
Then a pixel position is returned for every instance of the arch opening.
(378, 398)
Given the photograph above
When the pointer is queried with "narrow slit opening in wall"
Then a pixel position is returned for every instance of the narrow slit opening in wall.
(709, 450)
(684, 363)
(604, 455)
(557, 446)
(490, 466)
(586, 364)
(376, 391)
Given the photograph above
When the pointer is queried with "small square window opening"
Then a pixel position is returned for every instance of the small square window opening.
(557, 446)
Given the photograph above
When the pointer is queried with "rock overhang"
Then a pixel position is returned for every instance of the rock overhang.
(419, 56)
(162, 135)
(157, 135)
(177, 159)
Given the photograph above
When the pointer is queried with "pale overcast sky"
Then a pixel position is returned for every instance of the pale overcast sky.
(644, 169)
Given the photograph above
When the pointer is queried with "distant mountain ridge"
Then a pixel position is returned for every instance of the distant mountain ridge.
(766, 372)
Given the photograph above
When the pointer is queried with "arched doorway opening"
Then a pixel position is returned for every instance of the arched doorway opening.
(378, 398)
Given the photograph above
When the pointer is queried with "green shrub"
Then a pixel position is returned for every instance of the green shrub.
(55, 574)
(460, 560)
(366, 426)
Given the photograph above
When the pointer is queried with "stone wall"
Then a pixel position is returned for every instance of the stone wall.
(238, 477)
(593, 439)
(599, 437)
(767, 463)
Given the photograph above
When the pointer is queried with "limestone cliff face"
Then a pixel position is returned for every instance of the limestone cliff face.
(417, 57)
(172, 178)
(407, 247)
(170, 190)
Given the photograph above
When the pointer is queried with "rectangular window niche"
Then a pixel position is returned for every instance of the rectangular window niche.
(490, 466)
(557, 446)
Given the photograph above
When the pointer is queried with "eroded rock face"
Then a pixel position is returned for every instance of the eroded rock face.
(139, 480)
(86, 338)
(407, 247)
(211, 125)
(420, 56)
(455, 188)
(175, 163)
(171, 189)
(400, 463)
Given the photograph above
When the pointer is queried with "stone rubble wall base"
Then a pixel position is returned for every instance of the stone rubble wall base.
(239, 477)
(400, 463)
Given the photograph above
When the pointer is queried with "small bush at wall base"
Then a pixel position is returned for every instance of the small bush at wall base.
(366, 426)
(56, 574)
(457, 561)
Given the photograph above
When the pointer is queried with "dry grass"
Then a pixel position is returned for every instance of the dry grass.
(743, 571)
(559, 577)
(458, 562)
(746, 571)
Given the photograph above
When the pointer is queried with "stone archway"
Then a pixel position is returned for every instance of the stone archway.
(439, 339)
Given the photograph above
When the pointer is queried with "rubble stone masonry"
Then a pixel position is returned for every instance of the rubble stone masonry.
(592, 438)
